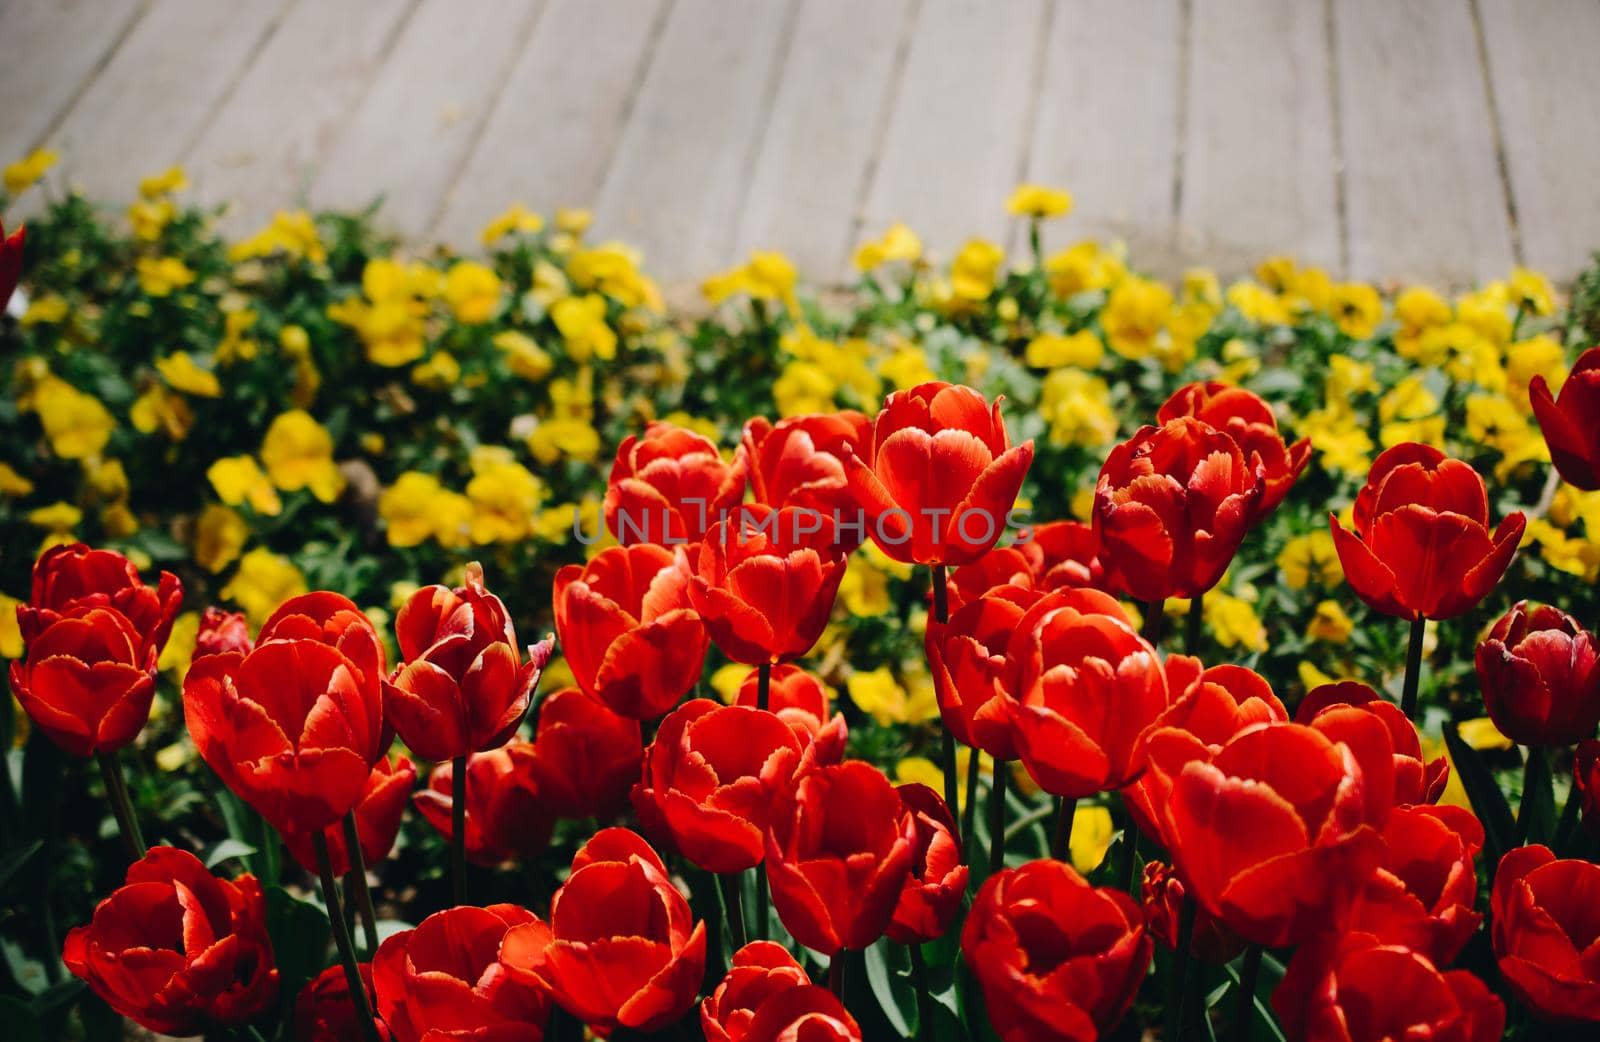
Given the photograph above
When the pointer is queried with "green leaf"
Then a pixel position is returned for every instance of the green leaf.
(300, 933)
(229, 848)
(888, 970)
(13, 862)
(1536, 816)
(1488, 802)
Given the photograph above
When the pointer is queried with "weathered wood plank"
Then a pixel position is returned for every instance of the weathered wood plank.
(260, 152)
(52, 48)
(1107, 119)
(1422, 189)
(953, 150)
(422, 114)
(159, 91)
(680, 169)
(1541, 61)
(822, 133)
(1259, 174)
(552, 133)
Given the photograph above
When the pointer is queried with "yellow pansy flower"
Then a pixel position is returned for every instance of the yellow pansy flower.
(169, 181)
(906, 367)
(21, 175)
(45, 310)
(264, 581)
(1049, 350)
(880, 696)
(1536, 356)
(407, 508)
(1357, 309)
(612, 268)
(1077, 405)
(564, 438)
(1276, 272)
(159, 276)
(181, 371)
(976, 270)
(1410, 412)
(57, 517)
(1039, 201)
(219, 536)
(1135, 315)
(523, 357)
(583, 327)
(727, 680)
(236, 347)
(473, 292)
(13, 483)
(504, 495)
(516, 219)
(11, 646)
(298, 453)
(149, 219)
(1233, 622)
(1200, 284)
(438, 372)
(1531, 291)
(1329, 623)
(1082, 267)
(76, 424)
(290, 232)
(158, 409)
(1310, 558)
(1258, 303)
(573, 220)
(238, 480)
(178, 655)
(1092, 832)
(899, 243)
(1348, 377)
(1481, 734)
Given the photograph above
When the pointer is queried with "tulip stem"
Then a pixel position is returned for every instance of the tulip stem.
(941, 614)
(836, 974)
(1244, 1012)
(969, 809)
(1131, 834)
(919, 979)
(1061, 838)
(764, 686)
(997, 818)
(733, 907)
(1408, 696)
(357, 874)
(564, 1027)
(1535, 778)
(121, 805)
(1155, 613)
(1194, 625)
(758, 929)
(1179, 995)
(341, 937)
(1569, 819)
(458, 829)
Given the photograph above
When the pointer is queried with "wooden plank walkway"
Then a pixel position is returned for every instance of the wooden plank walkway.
(1437, 140)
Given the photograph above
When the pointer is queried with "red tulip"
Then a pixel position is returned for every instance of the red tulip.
(971, 674)
(621, 948)
(507, 818)
(760, 971)
(323, 1011)
(1567, 421)
(378, 813)
(88, 681)
(711, 778)
(1272, 834)
(291, 728)
(1542, 916)
(669, 486)
(1058, 960)
(463, 688)
(1162, 894)
(1586, 782)
(1249, 421)
(1170, 508)
(1061, 555)
(764, 593)
(794, 696)
(1540, 674)
(177, 950)
(10, 261)
(839, 852)
(940, 477)
(1210, 707)
(1415, 780)
(1087, 687)
(799, 462)
(586, 758)
(938, 880)
(1355, 989)
(804, 1014)
(443, 982)
(627, 629)
(1422, 894)
(1421, 547)
(71, 576)
(223, 631)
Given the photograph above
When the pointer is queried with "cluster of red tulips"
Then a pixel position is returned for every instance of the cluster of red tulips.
(1318, 832)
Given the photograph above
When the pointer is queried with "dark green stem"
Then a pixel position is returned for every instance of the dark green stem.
(1130, 881)
(733, 902)
(763, 904)
(341, 938)
(458, 830)
(357, 875)
(997, 818)
(1569, 820)
(1535, 778)
(121, 805)
(1155, 613)
(564, 1027)
(1061, 838)
(1244, 1012)
(941, 613)
(763, 686)
(1408, 697)
(836, 974)
(969, 810)
(1179, 993)
(1035, 244)
(919, 980)
(1194, 626)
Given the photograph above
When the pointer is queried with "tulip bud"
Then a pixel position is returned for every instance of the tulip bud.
(1540, 674)
(1567, 421)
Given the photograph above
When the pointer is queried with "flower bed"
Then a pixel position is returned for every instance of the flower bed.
(1202, 655)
